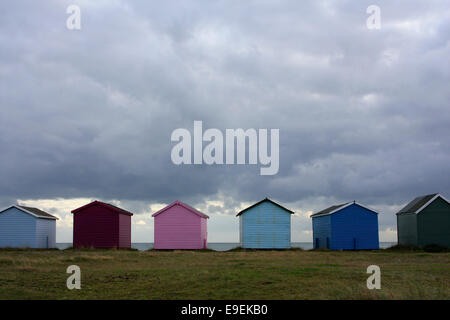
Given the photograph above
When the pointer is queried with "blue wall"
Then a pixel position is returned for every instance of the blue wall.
(322, 231)
(265, 226)
(22, 230)
(17, 229)
(45, 233)
(352, 228)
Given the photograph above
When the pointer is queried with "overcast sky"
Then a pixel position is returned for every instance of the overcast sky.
(87, 114)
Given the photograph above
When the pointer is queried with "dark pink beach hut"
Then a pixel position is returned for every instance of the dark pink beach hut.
(101, 225)
(178, 226)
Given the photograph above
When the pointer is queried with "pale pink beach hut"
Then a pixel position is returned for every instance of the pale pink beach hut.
(179, 226)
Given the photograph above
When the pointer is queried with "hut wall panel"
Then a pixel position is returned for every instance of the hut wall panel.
(178, 228)
(433, 224)
(241, 234)
(321, 231)
(17, 229)
(354, 228)
(266, 226)
(204, 232)
(45, 233)
(407, 229)
(124, 231)
(96, 227)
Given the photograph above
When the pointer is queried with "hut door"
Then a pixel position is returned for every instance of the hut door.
(317, 243)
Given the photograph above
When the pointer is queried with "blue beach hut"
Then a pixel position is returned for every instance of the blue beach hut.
(26, 227)
(347, 226)
(265, 225)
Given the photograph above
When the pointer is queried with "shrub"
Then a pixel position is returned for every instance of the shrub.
(435, 248)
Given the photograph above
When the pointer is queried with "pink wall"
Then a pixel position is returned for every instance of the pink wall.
(124, 231)
(177, 227)
(204, 234)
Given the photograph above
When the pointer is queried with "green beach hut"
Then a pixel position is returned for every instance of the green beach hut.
(424, 221)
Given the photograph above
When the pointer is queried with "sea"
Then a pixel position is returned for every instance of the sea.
(219, 246)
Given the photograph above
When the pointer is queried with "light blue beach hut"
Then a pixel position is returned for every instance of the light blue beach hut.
(265, 225)
(26, 227)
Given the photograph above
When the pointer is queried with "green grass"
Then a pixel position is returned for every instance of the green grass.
(292, 274)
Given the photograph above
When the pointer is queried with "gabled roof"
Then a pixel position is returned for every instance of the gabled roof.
(179, 203)
(330, 210)
(420, 203)
(338, 207)
(104, 205)
(35, 212)
(264, 200)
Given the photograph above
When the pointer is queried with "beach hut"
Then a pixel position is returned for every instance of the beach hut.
(347, 226)
(265, 225)
(101, 225)
(27, 227)
(424, 221)
(178, 226)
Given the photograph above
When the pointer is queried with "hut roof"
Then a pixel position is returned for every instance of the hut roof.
(105, 205)
(338, 207)
(420, 203)
(32, 211)
(184, 205)
(264, 200)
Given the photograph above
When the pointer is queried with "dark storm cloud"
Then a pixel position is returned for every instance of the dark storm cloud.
(363, 114)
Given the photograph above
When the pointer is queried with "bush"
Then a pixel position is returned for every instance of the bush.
(435, 248)
(427, 248)
(400, 247)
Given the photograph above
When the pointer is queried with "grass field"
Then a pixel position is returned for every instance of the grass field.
(295, 274)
